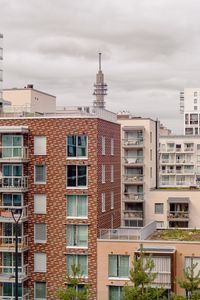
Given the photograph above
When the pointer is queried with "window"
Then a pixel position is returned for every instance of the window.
(195, 94)
(40, 262)
(195, 260)
(158, 208)
(112, 146)
(116, 293)
(103, 174)
(12, 145)
(151, 174)
(118, 266)
(77, 235)
(77, 206)
(112, 173)
(195, 100)
(103, 202)
(77, 260)
(9, 290)
(150, 137)
(39, 145)
(195, 107)
(76, 176)
(77, 146)
(40, 203)
(40, 233)
(40, 174)
(12, 199)
(112, 200)
(40, 290)
(151, 154)
(12, 170)
(103, 145)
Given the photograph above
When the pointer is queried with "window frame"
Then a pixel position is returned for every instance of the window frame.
(37, 241)
(45, 145)
(118, 266)
(35, 282)
(45, 168)
(112, 144)
(77, 199)
(75, 237)
(103, 202)
(40, 211)
(76, 256)
(77, 157)
(112, 173)
(44, 255)
(161, 205)
(103, 145)
(112, 200)
(77, 186)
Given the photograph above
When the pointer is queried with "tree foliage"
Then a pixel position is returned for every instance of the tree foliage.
(142, 278)
(73, 280)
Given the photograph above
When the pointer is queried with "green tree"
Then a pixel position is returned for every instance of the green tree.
(142, 278)
(190, 283)
(73, 291)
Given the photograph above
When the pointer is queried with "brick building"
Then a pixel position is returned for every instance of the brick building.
(64, 172)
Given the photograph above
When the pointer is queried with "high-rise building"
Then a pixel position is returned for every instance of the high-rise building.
(64, 173)
(100, 88)
(190, 107)
(1, 69)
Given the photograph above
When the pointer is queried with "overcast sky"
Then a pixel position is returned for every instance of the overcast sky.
(151, 51)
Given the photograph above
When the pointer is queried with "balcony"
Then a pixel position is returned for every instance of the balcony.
(25, 297)
(14, 184)
(184, 161)
(9, 219)
(133, 214)
(167, 161)
(7, 243)
(13, 154)
(7, 273)
(133, 179)
(133, 143)
(178, 215)
(137, 197)
(167, 172)
(189, 149)
(137, 160)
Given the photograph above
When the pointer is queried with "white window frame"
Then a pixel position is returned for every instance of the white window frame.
(112, 143)
(77, 217)
(111, 173)
(40, 182)
(38, 151)
(77, 187)
(35, 290)
(78, 246)
(103, 173)
(103, 202)
(112, 200)
(36, 241)
(76, 261)
(36, 198)
(103, 145)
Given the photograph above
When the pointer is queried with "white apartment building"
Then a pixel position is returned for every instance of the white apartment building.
(138, 167)
(1, 68)
(190, 107)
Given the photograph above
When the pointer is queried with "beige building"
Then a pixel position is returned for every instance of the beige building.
(138, 167)
(117, 249)
(29, 100)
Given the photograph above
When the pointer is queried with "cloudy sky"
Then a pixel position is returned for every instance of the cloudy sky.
(150, 51)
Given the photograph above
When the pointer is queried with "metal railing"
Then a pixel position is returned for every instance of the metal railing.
(9, 271)
(133, 214)
(9, 241)
(119, 234)
(9, 208)
(11, 153)
(167, 161)
(134, 160)
(133, 196)
(19, 182)
(25, 297)
(178, 214)
(133, 142)
(133, 178)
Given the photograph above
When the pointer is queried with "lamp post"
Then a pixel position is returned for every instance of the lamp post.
(16, 214)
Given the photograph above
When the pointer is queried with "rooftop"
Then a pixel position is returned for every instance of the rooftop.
(176, 234)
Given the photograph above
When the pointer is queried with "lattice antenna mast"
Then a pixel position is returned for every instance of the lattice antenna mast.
(100, 88)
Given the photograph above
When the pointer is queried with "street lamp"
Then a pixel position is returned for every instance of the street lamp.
(16, 214)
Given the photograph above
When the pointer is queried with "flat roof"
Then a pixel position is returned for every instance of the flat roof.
(176, 234)
(29, 89)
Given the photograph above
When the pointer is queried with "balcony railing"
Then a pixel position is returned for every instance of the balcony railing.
(133, 214)
(167, 183)
(184, 161)
(8, 272)
(133, 178)
(133, 196)
(4, 218)
(133, 142)
(25, 297)
(14, 183)
(168, 172)
(178, 215)
(189, 149)
(13, 153)
(167, 161)
(8, 242)
(133, 160)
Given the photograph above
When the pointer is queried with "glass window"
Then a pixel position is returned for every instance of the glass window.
(195, 260)
(112, 146)
(40, 174)
(12, 170)
(118, 266)
(12, 146)
(112, 200)
(194, 118)
(103, 174)
(39, 145)
(77, 206)
(40, 233)
(12, 199)
(158, 208)
(103, 202)
(77, 146)
(112, 173)
(76, 176)
(9, 289)
(77, 235)
(40, 290)
(40, 203)
(103, 145)
(116, 293)
(77, 260)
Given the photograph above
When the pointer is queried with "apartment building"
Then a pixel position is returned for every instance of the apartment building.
(171, 251)
(138, 166)
(28, 100)
(64, 173)
(190, 107)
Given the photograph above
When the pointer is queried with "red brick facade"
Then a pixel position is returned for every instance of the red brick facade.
(56, 131)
